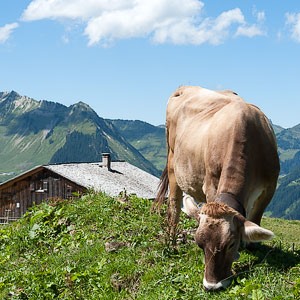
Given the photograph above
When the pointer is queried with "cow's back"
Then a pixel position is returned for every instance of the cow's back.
(190, 101)
(221, 144)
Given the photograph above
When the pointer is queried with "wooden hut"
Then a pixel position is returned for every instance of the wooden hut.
(72, 180)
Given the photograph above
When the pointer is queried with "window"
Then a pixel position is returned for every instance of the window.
(45, 185)
(69, 191)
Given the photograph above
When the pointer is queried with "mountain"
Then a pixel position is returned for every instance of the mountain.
(40, 132)
(148, 139)
(277, 129)
(286, 201)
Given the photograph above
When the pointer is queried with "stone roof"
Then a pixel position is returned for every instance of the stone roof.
(119, 177)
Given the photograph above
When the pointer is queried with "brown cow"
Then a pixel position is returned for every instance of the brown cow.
(222, 151)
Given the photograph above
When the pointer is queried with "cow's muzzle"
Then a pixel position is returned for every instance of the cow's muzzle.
(209, 286)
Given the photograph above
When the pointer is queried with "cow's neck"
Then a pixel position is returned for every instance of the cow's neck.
(230, 200)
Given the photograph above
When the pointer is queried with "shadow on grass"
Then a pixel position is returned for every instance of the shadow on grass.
(275, 258)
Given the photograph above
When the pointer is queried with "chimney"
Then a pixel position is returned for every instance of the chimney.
(106, 160)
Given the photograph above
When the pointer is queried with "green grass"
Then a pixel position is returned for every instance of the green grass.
(287, 154)
(98, 248)
(152, 149)
(30, 151)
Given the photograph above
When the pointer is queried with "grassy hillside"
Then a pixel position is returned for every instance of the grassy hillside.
(288, 141)
(148, 139)
(286, 201)
(99, 248)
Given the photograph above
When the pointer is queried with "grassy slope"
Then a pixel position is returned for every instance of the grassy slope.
(34, 148)
(288, 141)
(98, 248)
(20, 153)
(146, 138)
(23, 152)
(153, 149)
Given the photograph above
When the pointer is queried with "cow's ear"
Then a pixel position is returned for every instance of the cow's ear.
(251, 232)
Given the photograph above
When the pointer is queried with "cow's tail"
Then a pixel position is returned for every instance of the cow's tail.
(163, 186)
(162, 189)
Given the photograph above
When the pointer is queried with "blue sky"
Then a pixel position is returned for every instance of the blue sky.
(125, 57)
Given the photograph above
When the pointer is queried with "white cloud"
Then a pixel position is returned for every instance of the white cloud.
(213, 31)
(145, 18)
(254, 29)
(249, 31)
(260, 15)
(75, 9)
(293, 21)
(164, 21)
(6, 31)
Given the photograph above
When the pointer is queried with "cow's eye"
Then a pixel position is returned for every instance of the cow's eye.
(200, 245)
(231, 245)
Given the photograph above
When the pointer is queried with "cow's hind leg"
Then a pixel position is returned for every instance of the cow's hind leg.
(174, 202)
(258, 209)
(261, 203)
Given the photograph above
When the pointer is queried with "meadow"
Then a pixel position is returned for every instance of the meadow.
(100, 248)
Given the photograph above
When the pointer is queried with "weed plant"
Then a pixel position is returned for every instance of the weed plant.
(99, 248)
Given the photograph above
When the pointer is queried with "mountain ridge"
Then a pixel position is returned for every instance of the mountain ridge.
(40, 132)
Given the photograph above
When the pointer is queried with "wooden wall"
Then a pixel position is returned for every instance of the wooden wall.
(42, 186)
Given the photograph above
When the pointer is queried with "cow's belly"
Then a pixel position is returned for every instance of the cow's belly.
(189, 162)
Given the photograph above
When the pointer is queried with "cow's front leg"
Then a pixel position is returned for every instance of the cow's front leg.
(174, 206)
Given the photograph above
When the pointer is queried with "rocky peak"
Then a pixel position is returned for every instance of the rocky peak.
(12, 105)
(13, 97)
(9, 96)
(25, 104)
(82, 109)
(82, 106)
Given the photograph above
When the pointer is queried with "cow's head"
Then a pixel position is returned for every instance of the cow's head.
(219, 234)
